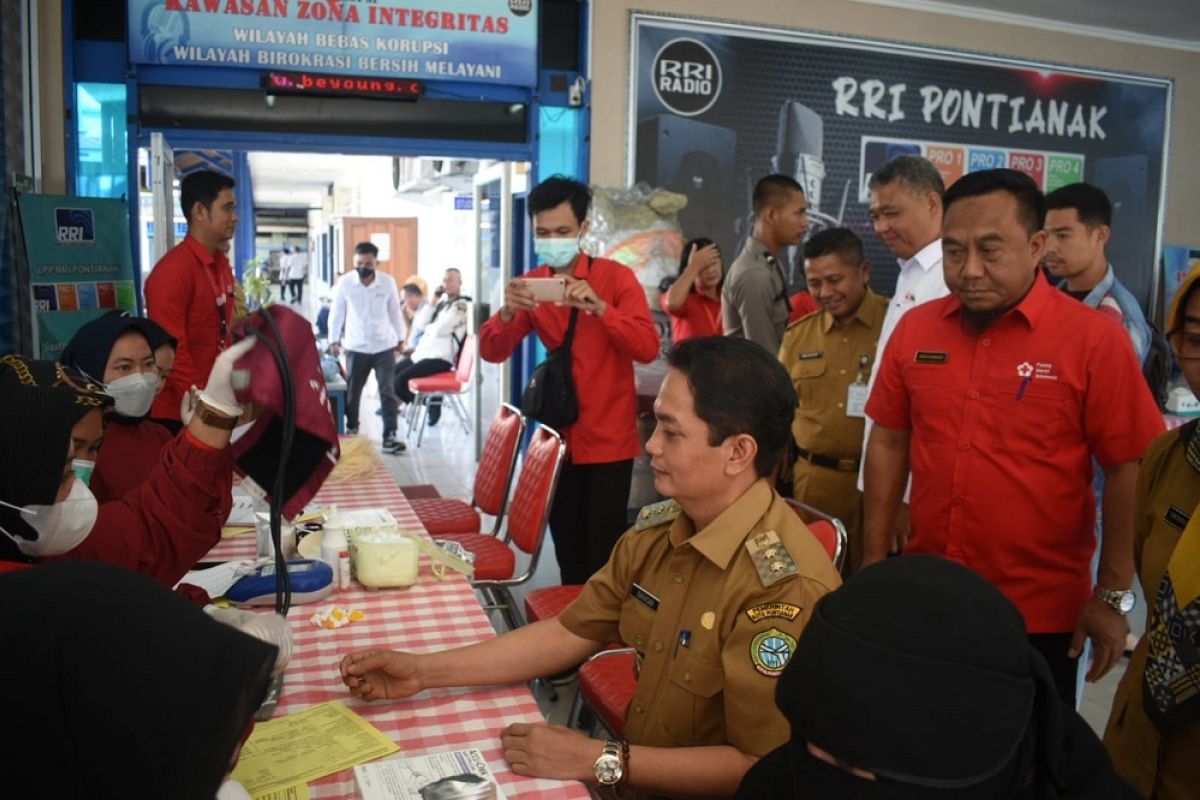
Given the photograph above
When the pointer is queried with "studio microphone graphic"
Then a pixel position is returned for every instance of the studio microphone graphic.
(799, 145)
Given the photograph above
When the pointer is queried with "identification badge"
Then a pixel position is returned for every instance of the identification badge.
(856, 400)
(1177, 516)
(644, 597)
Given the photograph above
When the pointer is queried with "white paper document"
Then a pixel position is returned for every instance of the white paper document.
(402, 778)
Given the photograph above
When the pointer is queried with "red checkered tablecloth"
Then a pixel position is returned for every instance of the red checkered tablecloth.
(433, 615)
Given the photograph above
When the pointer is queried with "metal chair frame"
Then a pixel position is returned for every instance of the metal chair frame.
(803, 509)
(419, 407)
(497, 595)
(580, 702)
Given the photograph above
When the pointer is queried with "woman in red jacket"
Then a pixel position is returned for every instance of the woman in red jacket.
(114, 351)
(162, 527)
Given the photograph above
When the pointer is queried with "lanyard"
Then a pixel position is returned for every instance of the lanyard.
(224, 300)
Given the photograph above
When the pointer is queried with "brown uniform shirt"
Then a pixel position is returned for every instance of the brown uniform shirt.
(824, 360)
(711, 636)
(1163, 766)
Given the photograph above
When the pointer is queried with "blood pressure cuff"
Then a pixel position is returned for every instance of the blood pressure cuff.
(314, 449)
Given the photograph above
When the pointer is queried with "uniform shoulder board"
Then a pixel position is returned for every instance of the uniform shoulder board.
(772, 561)
(657, 513)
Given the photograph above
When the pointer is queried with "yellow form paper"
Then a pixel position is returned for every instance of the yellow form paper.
(311, 744)
(297, 792)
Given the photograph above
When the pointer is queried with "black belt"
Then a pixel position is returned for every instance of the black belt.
(829, 462)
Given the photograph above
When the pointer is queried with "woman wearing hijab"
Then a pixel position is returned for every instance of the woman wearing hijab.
(163, 345)
(114, 351)
(1153, 732)
(119, 688)
(161, 528)
(916, 680)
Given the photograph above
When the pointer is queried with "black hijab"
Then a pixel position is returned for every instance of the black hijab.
(156, 334)
(118, 687)
(91, 345)
(919, 671)
(41, 403)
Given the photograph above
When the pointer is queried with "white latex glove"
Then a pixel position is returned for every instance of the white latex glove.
(218, 391)
(267, 627)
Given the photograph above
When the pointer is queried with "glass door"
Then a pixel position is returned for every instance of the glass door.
(493, 270)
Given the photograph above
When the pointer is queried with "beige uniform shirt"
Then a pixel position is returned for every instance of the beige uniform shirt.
(754, 299)
(824, 360)
(713, 630)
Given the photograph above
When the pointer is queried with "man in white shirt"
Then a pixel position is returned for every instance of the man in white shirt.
(906, 210)
(442, 327)
(297, 273)
(366, 322)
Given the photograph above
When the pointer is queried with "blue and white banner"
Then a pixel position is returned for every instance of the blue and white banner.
(483, 41)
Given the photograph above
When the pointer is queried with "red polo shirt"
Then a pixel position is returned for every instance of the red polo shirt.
(803, 304)
(188, 292)
(602, 356)
(1004, 427)
(700, 316)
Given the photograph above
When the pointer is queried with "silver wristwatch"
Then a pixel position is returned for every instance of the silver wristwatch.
(1119, 600)
(608, 767)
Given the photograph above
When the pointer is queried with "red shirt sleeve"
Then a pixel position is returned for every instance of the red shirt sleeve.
(171, 521)
(169, 291)
(889, 404)
(498, 339)
(1120, 417)
(627, 321)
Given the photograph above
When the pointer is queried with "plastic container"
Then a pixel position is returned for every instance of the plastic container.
(333, 542)
(385, 559)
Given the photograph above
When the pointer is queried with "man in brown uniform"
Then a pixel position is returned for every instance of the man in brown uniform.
(829, 355)
(712, 589)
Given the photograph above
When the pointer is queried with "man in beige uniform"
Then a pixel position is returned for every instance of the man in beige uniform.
(712, 589)
(829, 354)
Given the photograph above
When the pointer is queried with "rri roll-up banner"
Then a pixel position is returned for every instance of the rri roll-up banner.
(715, 106)
(77, 249)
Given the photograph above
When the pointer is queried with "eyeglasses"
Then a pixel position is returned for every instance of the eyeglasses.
(1186, 345)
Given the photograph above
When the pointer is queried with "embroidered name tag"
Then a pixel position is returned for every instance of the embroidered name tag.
(809, 356)
(644, 597)
(927, 357)
(1177, 517)
(767, 610)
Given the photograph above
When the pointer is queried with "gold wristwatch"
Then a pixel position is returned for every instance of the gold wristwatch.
(609, 767)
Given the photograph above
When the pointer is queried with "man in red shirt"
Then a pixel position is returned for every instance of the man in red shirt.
(190, 292)
(999, 396)
(612, 330)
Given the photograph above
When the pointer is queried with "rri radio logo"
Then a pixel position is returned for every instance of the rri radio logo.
(74, 225)
(686, 77)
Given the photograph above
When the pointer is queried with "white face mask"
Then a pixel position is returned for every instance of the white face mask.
(556, 252)
(134, 394)
(61, 526)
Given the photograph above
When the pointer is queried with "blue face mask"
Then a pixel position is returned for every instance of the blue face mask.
(556, 252)
(83, 470)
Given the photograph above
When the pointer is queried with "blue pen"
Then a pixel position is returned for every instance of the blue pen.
(685, 636)
(1024, 382)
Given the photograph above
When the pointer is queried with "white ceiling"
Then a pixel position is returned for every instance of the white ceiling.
(300, 180)
(1175, 22)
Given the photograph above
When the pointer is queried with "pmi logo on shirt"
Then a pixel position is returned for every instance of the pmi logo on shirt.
(74, 226)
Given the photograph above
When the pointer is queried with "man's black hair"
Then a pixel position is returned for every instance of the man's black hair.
(366, 249)
(1031, 203)
(559, 189)
(1090, 203)
(738, 387)
(774, 190)
(917, 173)
(201, 187)
(842, 242)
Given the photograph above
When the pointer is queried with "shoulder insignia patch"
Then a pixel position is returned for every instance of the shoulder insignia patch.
(656, 514)
(770, 652)
(768, 610)
(771, 559)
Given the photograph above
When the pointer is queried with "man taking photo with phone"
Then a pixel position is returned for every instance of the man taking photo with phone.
(611, 329)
